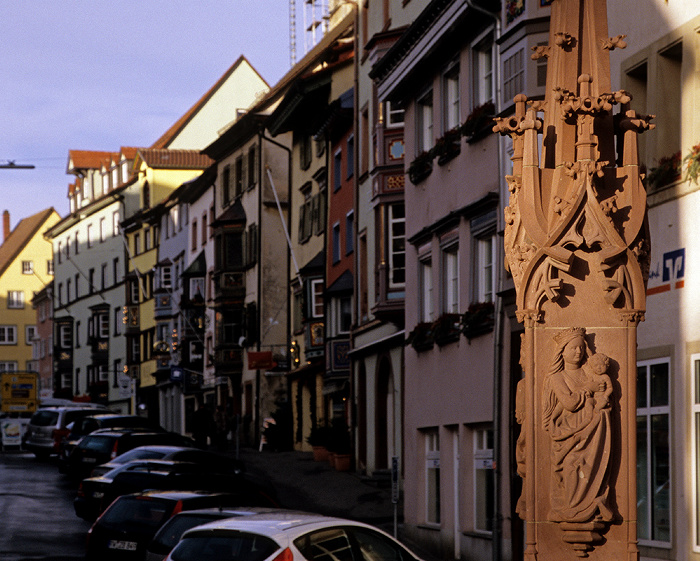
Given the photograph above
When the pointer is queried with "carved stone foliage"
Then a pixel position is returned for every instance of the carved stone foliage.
(586, 206)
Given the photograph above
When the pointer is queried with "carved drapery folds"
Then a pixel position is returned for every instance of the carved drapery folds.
(577, 245)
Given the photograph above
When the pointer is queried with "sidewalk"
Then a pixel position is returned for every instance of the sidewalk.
(303, 484)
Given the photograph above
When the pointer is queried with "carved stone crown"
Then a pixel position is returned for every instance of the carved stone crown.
(568, 334)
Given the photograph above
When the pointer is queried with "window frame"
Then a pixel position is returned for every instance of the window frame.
(15, 300)
(449, 268)
(425, 291)
(451, 98)
(483, 461)
(392, 254)
(483, 69)
(433, 510)
(647, 413)
(424, 121)
(8, 334)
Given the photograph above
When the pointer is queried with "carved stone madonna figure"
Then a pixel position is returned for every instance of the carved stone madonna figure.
(576, 414)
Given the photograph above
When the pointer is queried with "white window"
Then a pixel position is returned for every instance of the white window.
(29, 334)
(485, 270)
(344, 314)
(103, 229)
(483, 480)
(197, 287)
(166, 277)
(482, 61)
(8, 366)
(424, 123)
(27, 267)
(103, 326)
(8, 335)
(90, 235)
(450, 280)
(15, 299)
(49, 267)
(115, 223)
(316, 298)
(513, 75)
(426, 290)
(66, 336)
(102, 373)
(450, 98)
(432, 476)
(397, 245)
(394, 116)
(653, 452)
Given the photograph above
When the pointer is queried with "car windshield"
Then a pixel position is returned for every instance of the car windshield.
(97, 443)
(132, 513)
(138, 454)
(235, 546)
(170, 534)
(44, 418)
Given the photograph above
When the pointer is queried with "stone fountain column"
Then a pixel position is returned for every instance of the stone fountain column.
(577, 246)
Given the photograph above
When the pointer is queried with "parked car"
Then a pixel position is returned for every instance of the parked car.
(170, 533)
(104, 445)
(96, 493)
(147, 452)
(288, 536)
(219, 462)
(126, 528)
(84, 426)
(49, 425)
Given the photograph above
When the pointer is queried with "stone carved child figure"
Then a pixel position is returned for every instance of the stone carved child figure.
(580, 432)
(598, 370)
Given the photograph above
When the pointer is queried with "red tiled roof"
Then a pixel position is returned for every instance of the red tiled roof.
(87, 159)
(20, 236)
(162, 158)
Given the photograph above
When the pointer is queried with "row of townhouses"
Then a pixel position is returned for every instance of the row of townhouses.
(327, 253)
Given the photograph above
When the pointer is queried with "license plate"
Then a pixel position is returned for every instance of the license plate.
(98, 495)
(89, 460)
(121, 544)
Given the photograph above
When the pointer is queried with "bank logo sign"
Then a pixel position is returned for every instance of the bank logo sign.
(668, 273)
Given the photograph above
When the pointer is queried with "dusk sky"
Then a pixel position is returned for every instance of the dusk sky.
(98, 75)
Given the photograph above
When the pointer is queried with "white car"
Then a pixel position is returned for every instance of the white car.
(288, 536)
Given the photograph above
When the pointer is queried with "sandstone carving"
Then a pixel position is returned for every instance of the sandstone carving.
(577, 245)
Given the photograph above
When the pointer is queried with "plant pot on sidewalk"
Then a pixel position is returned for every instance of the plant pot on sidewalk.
(331, 459)
(320, 453)
(342, 462)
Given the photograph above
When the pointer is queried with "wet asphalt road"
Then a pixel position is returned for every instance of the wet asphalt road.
(37, 520)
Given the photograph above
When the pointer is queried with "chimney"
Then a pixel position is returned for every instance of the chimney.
(5, 225)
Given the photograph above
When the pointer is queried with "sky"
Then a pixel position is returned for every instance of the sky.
(101, 74)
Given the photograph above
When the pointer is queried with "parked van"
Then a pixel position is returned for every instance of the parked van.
(48, 426)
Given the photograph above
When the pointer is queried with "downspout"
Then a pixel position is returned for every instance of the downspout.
(498, 310)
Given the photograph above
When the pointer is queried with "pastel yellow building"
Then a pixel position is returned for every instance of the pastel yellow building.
(26, 267)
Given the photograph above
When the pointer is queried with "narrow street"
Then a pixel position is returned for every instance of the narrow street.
(36, 509)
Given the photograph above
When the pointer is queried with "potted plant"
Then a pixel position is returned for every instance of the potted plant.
(319, 437)
(668, 171)
(448, 146)
(421, 167)
(478, 120)
(692, 164)
(478, 319)
(422, 337)
(340, 445)
(446, 328)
